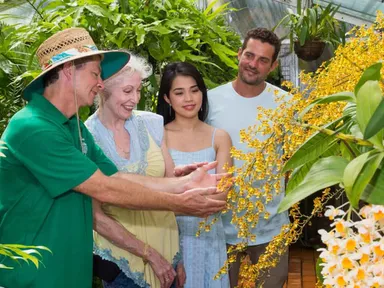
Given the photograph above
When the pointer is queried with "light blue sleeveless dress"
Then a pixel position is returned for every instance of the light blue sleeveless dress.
(203, 256)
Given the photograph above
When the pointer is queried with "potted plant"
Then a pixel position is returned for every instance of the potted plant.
(311, 29)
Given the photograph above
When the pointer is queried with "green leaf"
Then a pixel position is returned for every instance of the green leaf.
(116, 18)
(348, 150)
(352, 171)
(369, 98)
(2, 266)
(224, 49)
(350, 110)
(140, 34)
(53, 5)
(217, 49)
(155, 51)
(176, 23)
(303, 35)
(166, 46)
(376, 123)
(355, 131)
(342, 96)
(365, 177)
(181, 55)
(299, 173)
(371, 73)
(373, 193)
(77, 16)
(97, 10)
(219, 10)
(160, 29)
(196, 58)
(298, 176)
(316, 145)
(210, 7)
(319, 268)
(19, 246)
(324, 173)
(6, 66)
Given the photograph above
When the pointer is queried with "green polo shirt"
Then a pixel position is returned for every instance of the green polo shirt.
(43, 163)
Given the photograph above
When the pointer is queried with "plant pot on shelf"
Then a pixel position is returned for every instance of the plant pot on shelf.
(311, 50)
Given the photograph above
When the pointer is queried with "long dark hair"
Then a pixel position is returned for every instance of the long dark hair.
(171, 71)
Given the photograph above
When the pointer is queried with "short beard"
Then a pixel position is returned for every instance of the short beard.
(255, 82)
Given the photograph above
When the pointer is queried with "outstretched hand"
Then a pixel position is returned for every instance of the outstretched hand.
(197, 191)
(201, 179)
(196, 202)
(183, 170)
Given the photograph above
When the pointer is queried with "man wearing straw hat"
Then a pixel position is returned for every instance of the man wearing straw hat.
(53, 169)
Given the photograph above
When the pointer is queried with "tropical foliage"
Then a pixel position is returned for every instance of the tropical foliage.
(328, 137)
(22, 252)
(162, 31)
(313, 23)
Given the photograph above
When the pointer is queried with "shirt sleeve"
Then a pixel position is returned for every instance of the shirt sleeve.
(51, 156)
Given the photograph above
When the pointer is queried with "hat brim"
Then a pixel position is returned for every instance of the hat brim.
(112, 62)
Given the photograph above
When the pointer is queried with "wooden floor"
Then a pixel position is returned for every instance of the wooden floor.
(302, 268)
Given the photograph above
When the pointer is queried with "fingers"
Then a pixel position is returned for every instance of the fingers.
(177, 173)
(222, 175)
(210, 165)
(204, 191)
(215, 205)
(169, 278)
(183, 170)
(200, 164)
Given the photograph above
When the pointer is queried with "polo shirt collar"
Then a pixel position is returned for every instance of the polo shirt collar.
(49, 110)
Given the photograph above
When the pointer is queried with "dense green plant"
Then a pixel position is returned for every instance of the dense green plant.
(313, 24)
(163, 31)
(13, 62)
(353, 145)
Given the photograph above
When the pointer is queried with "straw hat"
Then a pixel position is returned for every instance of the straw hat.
(68, 45)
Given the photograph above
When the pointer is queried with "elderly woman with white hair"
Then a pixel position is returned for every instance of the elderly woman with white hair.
(144, 245)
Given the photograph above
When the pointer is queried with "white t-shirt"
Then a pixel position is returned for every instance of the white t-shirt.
(231, 112)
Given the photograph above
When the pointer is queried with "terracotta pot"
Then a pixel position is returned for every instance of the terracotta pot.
(311, 50)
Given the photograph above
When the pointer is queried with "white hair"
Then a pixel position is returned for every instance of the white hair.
(136, 64)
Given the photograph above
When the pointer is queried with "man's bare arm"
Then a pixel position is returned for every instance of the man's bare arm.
(125, 193)
(170, 185)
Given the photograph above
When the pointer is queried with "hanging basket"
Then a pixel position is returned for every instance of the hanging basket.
(311, 50)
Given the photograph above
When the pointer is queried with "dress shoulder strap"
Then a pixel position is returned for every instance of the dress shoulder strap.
(213, 136)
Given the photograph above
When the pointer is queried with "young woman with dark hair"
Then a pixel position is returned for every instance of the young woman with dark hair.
(183, 103)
